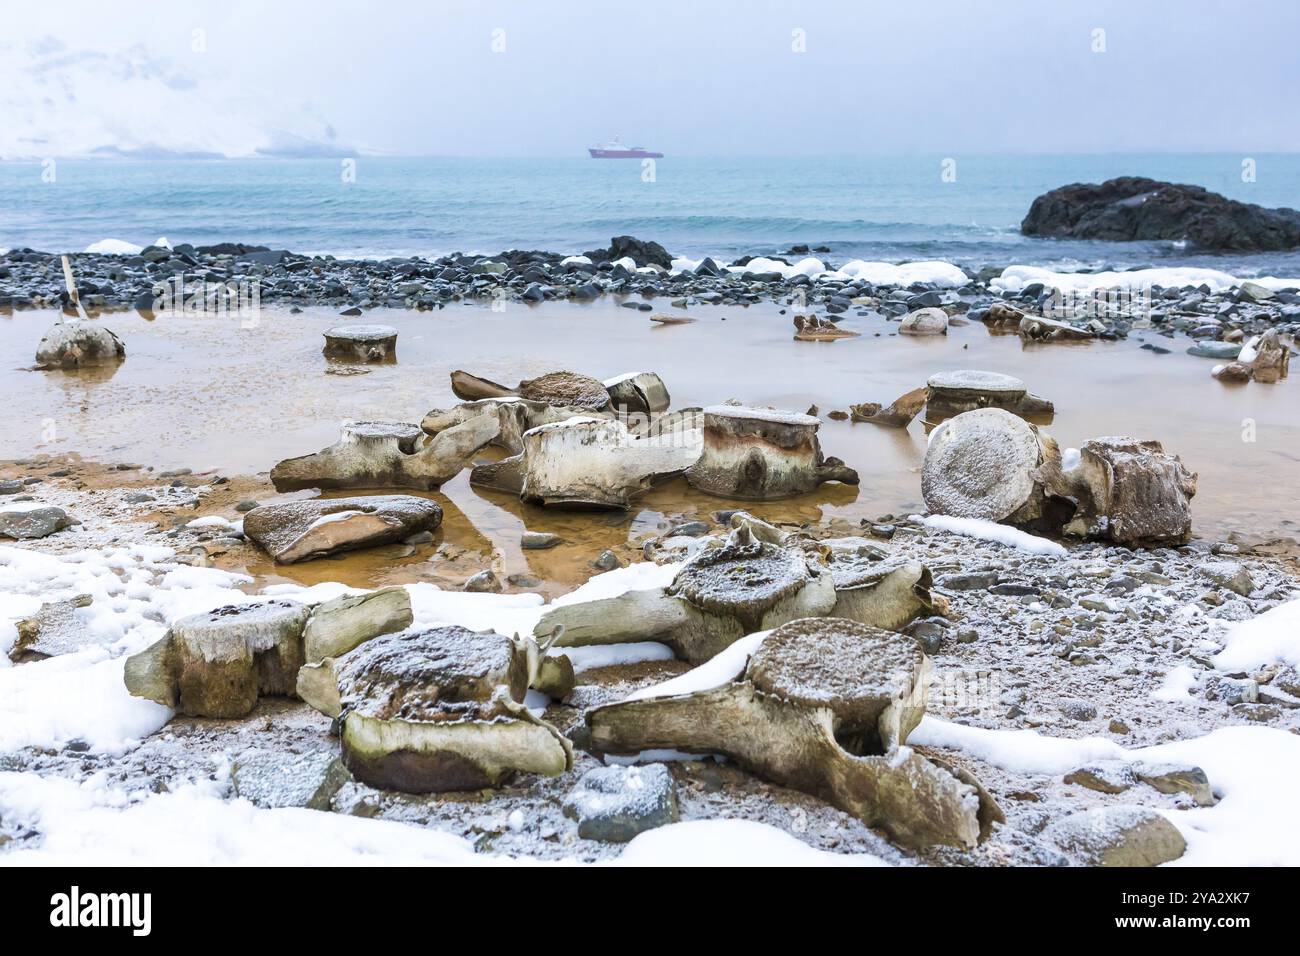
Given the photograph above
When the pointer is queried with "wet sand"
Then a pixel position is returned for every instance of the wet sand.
(208, 394)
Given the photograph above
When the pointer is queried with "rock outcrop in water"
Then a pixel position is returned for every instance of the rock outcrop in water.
(1133, 207)
(824, 706)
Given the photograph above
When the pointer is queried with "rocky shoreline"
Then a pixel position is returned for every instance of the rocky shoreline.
(645, 277)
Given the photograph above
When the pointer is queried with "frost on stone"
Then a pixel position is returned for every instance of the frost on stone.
(291, 531)
(616, 803)
(981, 464)
(744, 578)
(824, 706)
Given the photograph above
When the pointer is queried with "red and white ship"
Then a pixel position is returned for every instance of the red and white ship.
(615, 149)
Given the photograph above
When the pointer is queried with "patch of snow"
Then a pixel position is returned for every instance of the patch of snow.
(114, 247)
(1254, 770)
(992, 531)
(724, 666)
(607, 655)
(1273, 636)
(1015, 278)
(1177, 685)
(730, 843)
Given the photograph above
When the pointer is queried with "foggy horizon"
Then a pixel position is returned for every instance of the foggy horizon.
(503, 80)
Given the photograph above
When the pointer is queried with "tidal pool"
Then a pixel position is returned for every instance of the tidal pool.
(209, 393)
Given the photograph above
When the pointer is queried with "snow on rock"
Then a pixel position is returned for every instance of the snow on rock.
(1255, 771)
(724, 666)
(1015, 278)
(1273, 636)
(992, 531)
(1178, 683)
(114, 247)
(941, 274)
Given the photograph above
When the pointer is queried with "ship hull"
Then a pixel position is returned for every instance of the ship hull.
(623, 154)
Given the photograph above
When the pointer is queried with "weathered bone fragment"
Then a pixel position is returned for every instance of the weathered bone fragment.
(388, 455)
(814, 328)
(217, 664)
(761, 453)
(1037, 328)
(504, 475)
(599, 463)
(1002, 314)
(898, 414)
(337, 626)
(1133, 493)
(638, 393)
(362, 343)
(951, 393)
(825, 706)
(986, 464)
(888, 593)
(554, 388)
(1267, 357)
(514, 417)
(301, 530)
(719, 596)
(436, 711)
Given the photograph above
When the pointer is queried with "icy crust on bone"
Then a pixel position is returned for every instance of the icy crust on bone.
(362, 333)
(402, 431)
(979, 465)
(850, 572)
(261, 625)
(565, 388)
(762, 414)
(977, 380)
(854, 669)
(442, 675)
(744, 577)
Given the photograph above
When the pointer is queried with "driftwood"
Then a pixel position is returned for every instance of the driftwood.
(824, 706)
(760, 453)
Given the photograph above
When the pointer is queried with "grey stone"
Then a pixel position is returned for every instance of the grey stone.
(539, 540)
(1176, 778)
(31, 523)
(614, 804)
(1118, 836)
(271, 779)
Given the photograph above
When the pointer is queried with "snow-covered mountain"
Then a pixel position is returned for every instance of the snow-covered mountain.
(62, 102)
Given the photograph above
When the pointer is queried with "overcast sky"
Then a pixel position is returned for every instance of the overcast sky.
(688, 78)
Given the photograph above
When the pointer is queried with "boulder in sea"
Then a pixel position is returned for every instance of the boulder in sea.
(643, 252)
(362, 343)
(759, 454)
(302, 530)
(72, 345)
(436, 711)
(1135, 208)
(824, 706)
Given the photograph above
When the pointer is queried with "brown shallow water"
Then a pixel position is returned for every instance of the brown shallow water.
(205, 393)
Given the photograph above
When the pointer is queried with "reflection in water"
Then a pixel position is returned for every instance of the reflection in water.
(208, 393)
